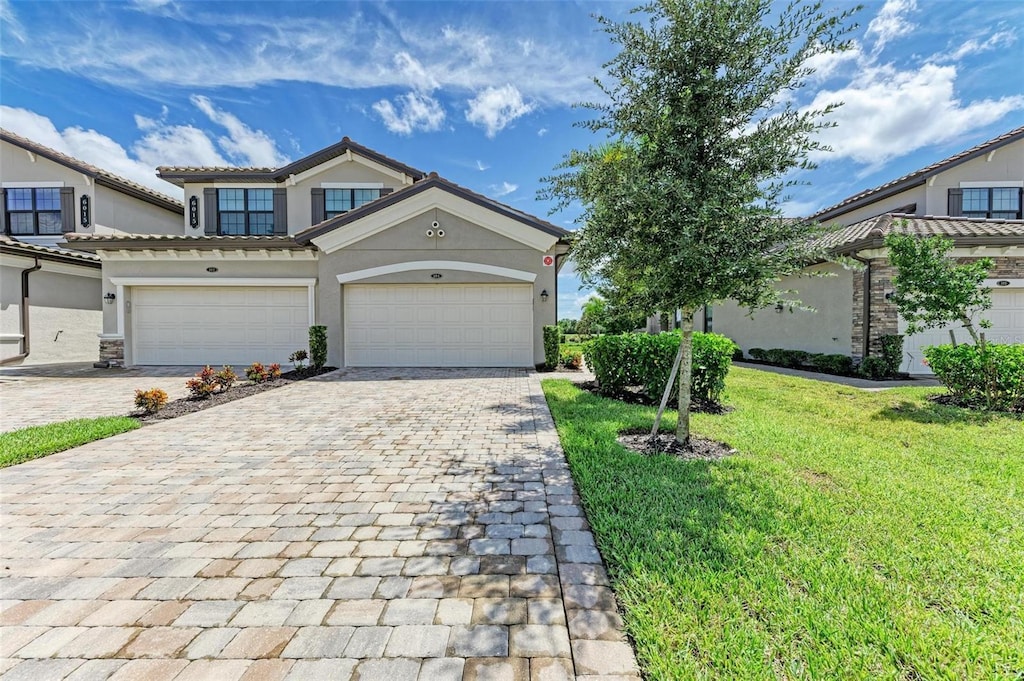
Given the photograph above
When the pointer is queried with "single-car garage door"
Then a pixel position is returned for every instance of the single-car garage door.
(216, 325)
(440, 325)
(1006, 315)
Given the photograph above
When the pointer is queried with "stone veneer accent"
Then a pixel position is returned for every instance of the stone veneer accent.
(884, 319)
(112, 351)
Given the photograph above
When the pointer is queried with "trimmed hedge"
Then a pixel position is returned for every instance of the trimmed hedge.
(991, 378)
(839, 365)
(552, 339)
(641, 359)
(317, 347)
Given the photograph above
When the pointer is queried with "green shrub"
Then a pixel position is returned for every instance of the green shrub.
(992, 377)
(874, 368)
(737, 354)
(204, 384)
(571, 357)
(640, 359)
(551, 342)
(257, 373)
(150, 401)
(317, 347)
(298, 358)
(892, 353)
(840, 365)
(760, 354)
(226, 377)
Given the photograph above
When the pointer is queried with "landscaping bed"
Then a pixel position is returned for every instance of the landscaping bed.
(188, 405)
(852, 534)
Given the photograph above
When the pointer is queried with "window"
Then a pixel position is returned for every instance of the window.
(245, 211)
(33, 211)
(338, 201)
(992, 202)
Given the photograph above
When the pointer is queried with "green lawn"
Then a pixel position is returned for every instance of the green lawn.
(854, 535)
(31, 443)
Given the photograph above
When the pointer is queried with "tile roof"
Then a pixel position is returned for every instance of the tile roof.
(432, 180)
(870, 233)
(89, 242)
(52, 252)
(102, 176)
(178, 174)
(916, 177)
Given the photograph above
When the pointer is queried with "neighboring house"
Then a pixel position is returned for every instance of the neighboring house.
(50, 302)
(402, 267)
(974, 198)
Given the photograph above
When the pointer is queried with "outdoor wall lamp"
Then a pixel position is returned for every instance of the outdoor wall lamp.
(544, 296)
(109, 298)
(778, 307)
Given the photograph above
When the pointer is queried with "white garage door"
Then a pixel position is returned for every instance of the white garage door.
(441, 325)
(218, 325)
(1006, 315)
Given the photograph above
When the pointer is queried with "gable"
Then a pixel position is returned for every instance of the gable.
(416, 211)
(460, 234)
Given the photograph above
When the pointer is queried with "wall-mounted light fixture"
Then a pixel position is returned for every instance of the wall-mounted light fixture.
(888, 295)
(109, 298)
(83, 210)
(778, 307)
(544, 296)
(193, 211)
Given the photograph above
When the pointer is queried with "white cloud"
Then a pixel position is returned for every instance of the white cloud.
(503, 189)
(243, 144)
(86, 145)
(415, 112)
(496, 107)
(971, 46)
(9, 20)
(174, 145)
(891, 22)
(481, 166)
(542, 132)
(888, 113)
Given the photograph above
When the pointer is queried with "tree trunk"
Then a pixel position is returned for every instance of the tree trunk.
(685, 377)
(665, 393)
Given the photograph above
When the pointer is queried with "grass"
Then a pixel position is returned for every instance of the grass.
(37, 441)
(855, 534)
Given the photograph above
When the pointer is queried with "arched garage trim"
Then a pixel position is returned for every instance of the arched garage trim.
(456, 265)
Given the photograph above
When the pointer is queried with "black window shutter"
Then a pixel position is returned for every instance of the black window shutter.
(67, 209)
(956, 202)
(317, 208)
(386, 190)
(4, 227)
(210, 211)
(280, 211)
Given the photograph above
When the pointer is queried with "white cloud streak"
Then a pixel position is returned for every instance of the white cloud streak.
(503, 189)
(891, 22)
(974, 46)
(494, 108)
(415, 112)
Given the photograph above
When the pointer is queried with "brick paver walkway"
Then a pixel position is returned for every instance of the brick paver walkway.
(373, 524)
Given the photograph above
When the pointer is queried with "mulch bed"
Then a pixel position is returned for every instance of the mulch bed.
(954, 401)
(187, 405)
(699, 449)
(636, 395)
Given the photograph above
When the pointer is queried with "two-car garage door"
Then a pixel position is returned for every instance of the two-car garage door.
(236, 325)
(439, 325)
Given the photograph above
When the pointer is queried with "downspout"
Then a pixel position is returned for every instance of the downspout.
(866, 338)
(25, 340)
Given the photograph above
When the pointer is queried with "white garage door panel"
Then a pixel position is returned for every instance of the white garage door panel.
(218, 325)
(1006, 315)
(458, 325)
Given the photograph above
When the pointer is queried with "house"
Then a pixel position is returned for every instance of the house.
(50, 296)
(973, 197)
(404, 268)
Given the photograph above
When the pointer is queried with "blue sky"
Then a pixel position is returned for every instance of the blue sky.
(481, 92)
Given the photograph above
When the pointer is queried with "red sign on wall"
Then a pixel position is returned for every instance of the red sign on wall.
(549, 260)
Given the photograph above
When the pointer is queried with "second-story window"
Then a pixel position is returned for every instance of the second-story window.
(245, 212)
(992, 202)
(33, 211)
(338, 201)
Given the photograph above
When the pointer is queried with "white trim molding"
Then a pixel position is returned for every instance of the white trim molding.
(210, 281)
(31, 185)
(168, 251)
(359, 275)
(352, 185)
(434, 199)
(994, 184)
(993, 283)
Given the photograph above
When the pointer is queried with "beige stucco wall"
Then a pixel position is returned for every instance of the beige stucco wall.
(64, 312)
(128, 214)
(1005, 165)
(912, 195)
(827, 329)
(405, 242)
(110, 208)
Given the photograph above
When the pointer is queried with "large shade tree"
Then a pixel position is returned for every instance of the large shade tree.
(681, 200)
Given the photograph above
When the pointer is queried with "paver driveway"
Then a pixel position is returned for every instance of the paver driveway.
(34, 395)
(378, 524)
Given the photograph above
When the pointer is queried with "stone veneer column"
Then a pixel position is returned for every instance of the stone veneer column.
(112, 351)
